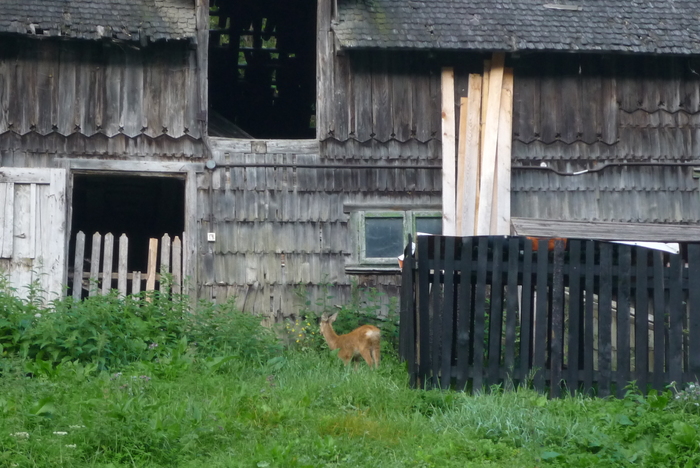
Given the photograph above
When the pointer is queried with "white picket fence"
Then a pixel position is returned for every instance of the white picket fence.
(102, 277)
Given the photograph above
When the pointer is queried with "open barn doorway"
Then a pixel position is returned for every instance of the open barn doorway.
(262, 68)
(142, 207)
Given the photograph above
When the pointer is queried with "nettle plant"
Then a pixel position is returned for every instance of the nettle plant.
(687, 399)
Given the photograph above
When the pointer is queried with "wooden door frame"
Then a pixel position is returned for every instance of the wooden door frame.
(186, 171)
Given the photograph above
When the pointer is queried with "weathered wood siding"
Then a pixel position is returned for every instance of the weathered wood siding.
(578, 112)
(278, 228)
(98, 88)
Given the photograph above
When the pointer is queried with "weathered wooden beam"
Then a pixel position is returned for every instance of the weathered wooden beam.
(500, 214)
(448, 152)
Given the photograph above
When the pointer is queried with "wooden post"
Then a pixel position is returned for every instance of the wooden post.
(152, 260)
(468, 167)
(488, 156)
(177, 266)
(78, 265)
(500, 214)
(122, 267)
(107, 263)
(448, 152)
(136, 282)
(95, 263)
(164, 259)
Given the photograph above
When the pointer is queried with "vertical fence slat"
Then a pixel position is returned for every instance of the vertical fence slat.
(675, 333)
(122, 265)
(136, 282)
(152, 261)
(622, 375)
(575, 317)
(557, 343)
(659, 321)
(78, 265)
(641, 319)
(424, 364)
(464, 316)
(495, 313)
(511, 305)
(694, 310)
(107, 263)
(588, 335)
(164, 260)
(448, 313)
(605, 320)
(177, 265)
(526, 314)
(540, 322)
(479, 313)
(95, 263)
(437, 311)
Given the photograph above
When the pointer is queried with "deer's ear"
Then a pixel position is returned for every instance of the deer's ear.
(333, 317)
(324, 317)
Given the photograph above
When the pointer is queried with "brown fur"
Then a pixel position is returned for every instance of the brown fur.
(362, 341)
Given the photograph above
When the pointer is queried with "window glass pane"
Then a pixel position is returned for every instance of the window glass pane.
(383, 237)
(429, 225)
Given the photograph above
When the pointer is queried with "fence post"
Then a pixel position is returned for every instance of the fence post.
(152, 260)
(164, 259)
(177, 266)
(121, 268)
(78, 265)
(107, 263)
(95, 263)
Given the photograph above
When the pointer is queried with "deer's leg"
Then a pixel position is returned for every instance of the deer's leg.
(367, 355)
(376, 354)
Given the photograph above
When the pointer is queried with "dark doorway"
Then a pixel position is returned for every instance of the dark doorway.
(262, 68)
(140, 207)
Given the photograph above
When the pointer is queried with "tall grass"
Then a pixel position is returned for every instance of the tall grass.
(219, 391)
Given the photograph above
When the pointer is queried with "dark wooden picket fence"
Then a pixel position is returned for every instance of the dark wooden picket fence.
(570, 315)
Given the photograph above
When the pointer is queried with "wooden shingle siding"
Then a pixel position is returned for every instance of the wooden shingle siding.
(94, 88)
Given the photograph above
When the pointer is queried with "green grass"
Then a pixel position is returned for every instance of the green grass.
(210, 403)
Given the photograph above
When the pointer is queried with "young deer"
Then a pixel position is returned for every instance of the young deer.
(363, 341)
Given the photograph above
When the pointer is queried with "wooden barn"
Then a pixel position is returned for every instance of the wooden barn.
(291, 145)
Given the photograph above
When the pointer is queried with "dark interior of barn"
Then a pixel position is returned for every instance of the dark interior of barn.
(140, 207)
(262, 68)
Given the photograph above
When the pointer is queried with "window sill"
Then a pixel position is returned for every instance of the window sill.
(372, 269)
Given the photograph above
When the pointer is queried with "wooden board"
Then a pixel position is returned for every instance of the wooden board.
(448, 153)
(468, 161)
(500, 213)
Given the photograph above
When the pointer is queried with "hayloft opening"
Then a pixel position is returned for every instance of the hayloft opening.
(142, 207)
(262, 68)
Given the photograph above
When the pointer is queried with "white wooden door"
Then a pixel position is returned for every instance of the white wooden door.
(32, 229)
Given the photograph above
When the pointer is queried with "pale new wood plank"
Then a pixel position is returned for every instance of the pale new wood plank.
(177, 265)
(56, 242)
(164, 259)
(189, 239)
(122, 265)
(470, 167)
(152, 260)
(7, 234)
(78, 261)
(136, 282)
(500, 214)
(95, 263)
(448, 152)
(107, 263)
(461, 164)
(488, 156)
(32, 220)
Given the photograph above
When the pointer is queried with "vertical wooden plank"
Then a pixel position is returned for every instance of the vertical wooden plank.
(407, 311)
(624, 282)
(496, 312)
(588, 335)
(381, 97)
(500, 214)
(556, 354)
(479, 313)
(424, 363)
(55, 247)
(460, 197)
(468, 165)
(78, 261)
(575, 316)
(610, 127)
(605, 320)
(189, 238)
(675, 317)
(107, 263)
(464, 318)
(659, 284)
(448, 314)
(694, 308)
(540, 322)
(511, 304)
(164, 259)
(136, 282)
(177, 266)
(401, 80)
(489, 145)
(641, 321)
(526, 313)
(436, 292)
(362, 84)
(448, 153)
(95, 263)
(32, 220)
(122, 265)
(152, 261)
(7, 233)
